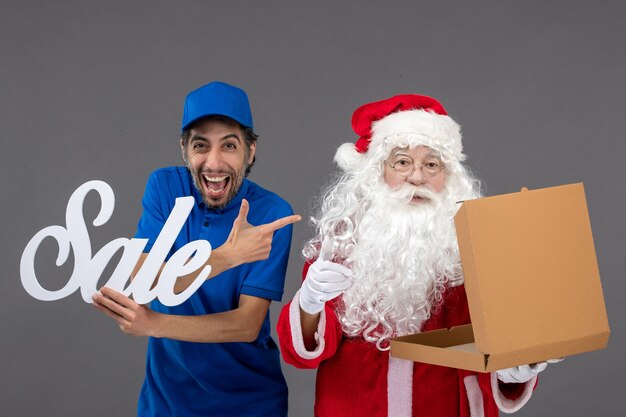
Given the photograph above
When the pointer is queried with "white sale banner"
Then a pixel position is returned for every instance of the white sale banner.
(88, 268)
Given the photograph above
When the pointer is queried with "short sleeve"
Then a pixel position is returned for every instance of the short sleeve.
(266, 279)
(153, 218)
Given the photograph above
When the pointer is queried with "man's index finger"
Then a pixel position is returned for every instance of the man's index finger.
(282, 222)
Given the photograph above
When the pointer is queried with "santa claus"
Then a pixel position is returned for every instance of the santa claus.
(384, 263)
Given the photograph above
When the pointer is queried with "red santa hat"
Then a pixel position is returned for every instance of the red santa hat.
(403, 120)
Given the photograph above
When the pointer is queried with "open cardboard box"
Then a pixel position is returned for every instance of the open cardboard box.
(532, 283)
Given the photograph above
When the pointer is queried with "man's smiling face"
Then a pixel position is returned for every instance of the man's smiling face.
(217, 157)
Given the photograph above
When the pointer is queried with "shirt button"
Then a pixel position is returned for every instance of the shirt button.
(206, 223)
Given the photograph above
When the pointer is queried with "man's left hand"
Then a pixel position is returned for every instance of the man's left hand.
(247, 243)
(132, 318)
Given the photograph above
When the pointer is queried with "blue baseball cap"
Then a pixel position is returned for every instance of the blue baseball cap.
(217, 99)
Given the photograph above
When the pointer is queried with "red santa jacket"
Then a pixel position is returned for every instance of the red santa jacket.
(354, 378)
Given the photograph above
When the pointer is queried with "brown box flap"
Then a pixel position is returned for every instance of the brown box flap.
(530, 269)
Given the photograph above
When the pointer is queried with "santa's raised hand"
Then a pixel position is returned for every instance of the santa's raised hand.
(324, 281)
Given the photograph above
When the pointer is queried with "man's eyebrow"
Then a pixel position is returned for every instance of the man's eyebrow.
(230, 135)
(196, 138)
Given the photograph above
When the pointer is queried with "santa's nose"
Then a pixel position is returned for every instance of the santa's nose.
(417, 177)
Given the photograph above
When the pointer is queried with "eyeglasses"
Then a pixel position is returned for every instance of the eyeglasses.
(405, 166)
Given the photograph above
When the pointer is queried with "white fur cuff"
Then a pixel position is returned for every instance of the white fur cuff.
(296, 331)
(510, 406)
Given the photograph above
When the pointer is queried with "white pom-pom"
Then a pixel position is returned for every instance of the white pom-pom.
(348, 158)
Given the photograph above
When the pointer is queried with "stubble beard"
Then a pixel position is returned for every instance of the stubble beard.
(235, 179)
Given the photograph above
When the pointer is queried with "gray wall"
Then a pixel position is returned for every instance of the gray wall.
(94, 90)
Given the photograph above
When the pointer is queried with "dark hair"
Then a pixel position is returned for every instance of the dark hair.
(248, 134)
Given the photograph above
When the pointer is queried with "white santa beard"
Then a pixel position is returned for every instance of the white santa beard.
(403, 256)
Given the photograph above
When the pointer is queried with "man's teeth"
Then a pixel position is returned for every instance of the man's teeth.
(215, 179)
(215, 185)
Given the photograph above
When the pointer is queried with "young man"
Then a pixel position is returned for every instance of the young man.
(384, 263)
(213, 355)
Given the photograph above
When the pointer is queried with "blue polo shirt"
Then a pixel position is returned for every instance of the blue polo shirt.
(215, 379)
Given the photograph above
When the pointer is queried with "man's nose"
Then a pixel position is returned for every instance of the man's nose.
(213, 160)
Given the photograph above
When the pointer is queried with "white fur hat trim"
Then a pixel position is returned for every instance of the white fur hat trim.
(408, 128)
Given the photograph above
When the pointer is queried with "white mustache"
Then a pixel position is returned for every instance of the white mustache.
(407, 191)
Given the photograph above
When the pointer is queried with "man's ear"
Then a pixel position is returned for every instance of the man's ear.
(251, 152)
(182, 149)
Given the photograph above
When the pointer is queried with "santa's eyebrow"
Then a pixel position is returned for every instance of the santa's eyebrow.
(400, 153)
